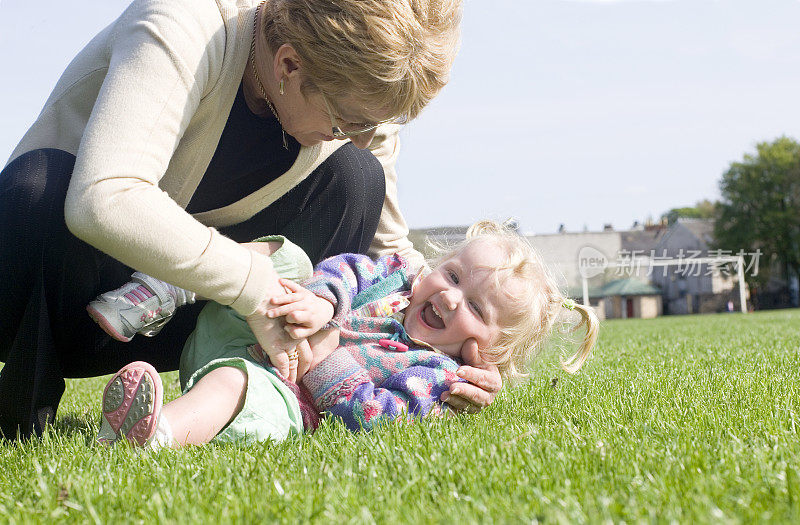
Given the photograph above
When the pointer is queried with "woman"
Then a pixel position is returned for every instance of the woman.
(184, 128)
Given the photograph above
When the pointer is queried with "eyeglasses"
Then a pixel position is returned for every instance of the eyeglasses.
(337, 132)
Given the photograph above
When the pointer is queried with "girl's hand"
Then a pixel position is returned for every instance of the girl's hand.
(323, 343)
(305, 313)
(302, 364)
(311, 351)
(484, 382)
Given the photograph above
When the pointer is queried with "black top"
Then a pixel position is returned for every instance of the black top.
(249, 156)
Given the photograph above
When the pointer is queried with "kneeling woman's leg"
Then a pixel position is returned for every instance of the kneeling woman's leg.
(48, 278)
(334, 210)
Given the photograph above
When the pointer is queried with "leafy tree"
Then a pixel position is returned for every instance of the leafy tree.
(760, 207)
(704, 209)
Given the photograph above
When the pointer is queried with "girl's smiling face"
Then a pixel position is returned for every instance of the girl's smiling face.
(461, 299)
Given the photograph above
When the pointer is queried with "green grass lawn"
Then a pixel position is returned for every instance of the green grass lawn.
(685, 419)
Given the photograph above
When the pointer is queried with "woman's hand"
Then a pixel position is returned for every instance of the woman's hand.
(271, 333)
(305, 313)
(483, 382)
(309, 353)
(275, 341)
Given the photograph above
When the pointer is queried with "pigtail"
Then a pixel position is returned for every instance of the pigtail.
(592, 324)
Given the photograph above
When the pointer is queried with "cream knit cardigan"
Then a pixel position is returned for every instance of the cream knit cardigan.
(142, 107)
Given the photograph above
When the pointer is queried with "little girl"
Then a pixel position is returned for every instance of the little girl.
(386, 343)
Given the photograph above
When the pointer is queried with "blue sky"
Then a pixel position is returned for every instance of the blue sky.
(573, 112)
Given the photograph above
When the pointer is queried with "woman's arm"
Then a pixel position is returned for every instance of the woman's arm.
(163, 57)
(392, 234)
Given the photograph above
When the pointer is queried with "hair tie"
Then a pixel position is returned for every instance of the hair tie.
(569, 304)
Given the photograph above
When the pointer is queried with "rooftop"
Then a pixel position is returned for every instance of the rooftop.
(629, 287)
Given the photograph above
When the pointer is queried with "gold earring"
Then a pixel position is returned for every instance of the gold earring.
(280, 87)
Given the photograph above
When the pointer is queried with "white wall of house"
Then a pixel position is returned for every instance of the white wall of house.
(649, 306)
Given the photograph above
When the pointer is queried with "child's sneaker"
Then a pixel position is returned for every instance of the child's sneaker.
(131, 405)
(142, 306)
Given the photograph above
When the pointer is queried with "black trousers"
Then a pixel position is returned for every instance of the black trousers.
(48, 276)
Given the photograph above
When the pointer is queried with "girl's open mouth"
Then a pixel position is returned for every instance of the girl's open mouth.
(430, 317)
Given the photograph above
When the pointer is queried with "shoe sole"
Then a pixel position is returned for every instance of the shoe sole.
(105, 324)
(132, 402)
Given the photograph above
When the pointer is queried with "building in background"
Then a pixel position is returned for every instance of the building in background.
(693, 288)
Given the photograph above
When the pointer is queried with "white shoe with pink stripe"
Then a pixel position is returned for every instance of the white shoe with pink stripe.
(143, 305)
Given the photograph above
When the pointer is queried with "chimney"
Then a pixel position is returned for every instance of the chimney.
(512, 224)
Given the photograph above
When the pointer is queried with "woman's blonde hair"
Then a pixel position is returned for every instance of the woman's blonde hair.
(391, 56)
(538, 302)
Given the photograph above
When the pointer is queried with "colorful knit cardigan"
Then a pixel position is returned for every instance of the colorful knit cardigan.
(378, 372)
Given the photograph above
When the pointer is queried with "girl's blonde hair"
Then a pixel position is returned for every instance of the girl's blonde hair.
(390, 56)
(538, 302)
